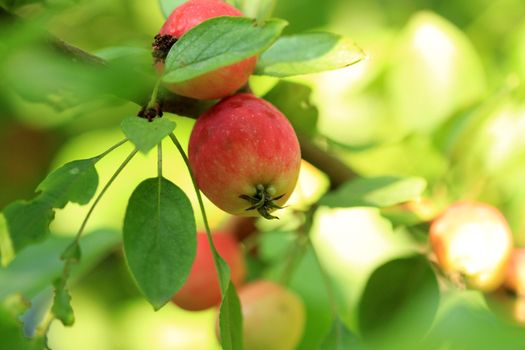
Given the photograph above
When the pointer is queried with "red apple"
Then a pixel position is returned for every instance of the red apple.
(273, 317)
(201, 290)
(220, 82)
(474, 240)
(245, 156)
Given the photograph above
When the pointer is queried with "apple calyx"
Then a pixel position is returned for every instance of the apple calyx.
(161, 47)
(263, 201)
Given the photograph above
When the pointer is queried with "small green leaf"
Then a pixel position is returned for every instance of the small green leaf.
(62, 304)
(28, 222)
(230, 320)
(341, 338)
(144, 134)
(403, 292)
(308, 53)
(159, 239)
(218, 42)
(375, 192)
(293, 100)
(167, 6)
(76, 182)
(12, 333)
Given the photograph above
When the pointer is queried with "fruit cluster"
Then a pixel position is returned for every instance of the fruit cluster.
(246, 158)
(243, 151)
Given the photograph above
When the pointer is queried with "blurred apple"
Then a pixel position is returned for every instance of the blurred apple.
(474, 240)
(202, 291)
(274, 317)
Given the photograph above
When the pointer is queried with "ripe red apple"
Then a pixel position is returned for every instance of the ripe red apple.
(273, 317)
(201, 290)
(473, 239)
(245, 156)
(218, 83)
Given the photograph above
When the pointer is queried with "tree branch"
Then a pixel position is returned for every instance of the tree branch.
(334, 168)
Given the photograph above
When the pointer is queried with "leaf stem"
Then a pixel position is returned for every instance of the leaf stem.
(101, 194)
(109, 150)
(216, 257)
(159, 159)
(154, 95)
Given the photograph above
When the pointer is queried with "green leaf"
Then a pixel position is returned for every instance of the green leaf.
(39, 265)
(230, 320)
(76, 182)
(258, 9)
(167, 6)
(401, 293)
(308, 53)
(218, 42)
(375, 192)
(28, 222)
(62, 304)
(340, 338)
(159, 239)
(144, 134)
(293, 100)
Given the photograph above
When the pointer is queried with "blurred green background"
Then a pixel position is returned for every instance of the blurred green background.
(440, 96)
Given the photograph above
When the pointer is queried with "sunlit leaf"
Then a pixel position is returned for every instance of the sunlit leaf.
(308, 53)
(159, 239)
(434, 72)
(144, 134)
(216, 43)
(376, 192)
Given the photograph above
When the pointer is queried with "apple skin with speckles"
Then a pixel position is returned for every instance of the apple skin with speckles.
(473, 240)
(201, 290)
(245, 156)
(216, 84)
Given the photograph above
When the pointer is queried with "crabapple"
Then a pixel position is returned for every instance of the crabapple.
(202, 290)
(273, 317)
(219, 83)
(473, 239)
(245, 156)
